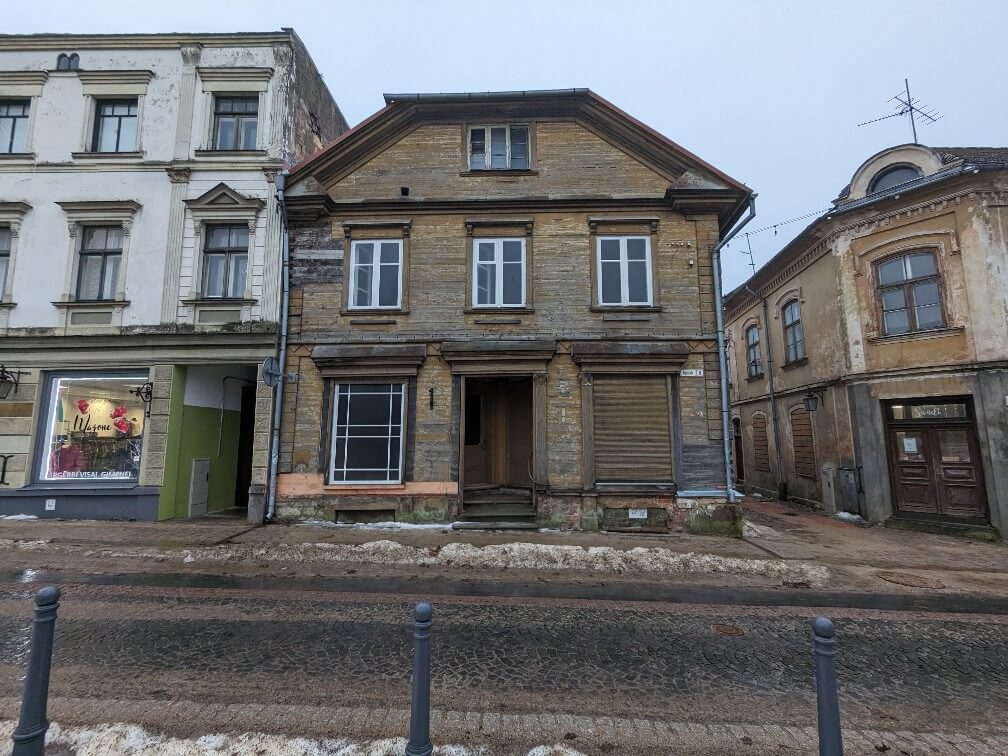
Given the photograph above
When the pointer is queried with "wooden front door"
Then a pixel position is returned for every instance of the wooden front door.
(935, 461)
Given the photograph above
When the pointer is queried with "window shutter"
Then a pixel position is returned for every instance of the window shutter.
(801, 437)
(631, 428)
(761, 449)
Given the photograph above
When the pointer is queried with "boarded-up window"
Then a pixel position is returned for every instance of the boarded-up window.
(801, 437)
(631, 429)
(761, 449)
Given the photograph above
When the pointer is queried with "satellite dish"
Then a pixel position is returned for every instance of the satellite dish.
(271, 372)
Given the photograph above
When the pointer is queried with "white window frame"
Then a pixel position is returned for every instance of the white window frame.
(375, 279)
(498, 263)
(332, 440)
(624, 269)
(485, 128)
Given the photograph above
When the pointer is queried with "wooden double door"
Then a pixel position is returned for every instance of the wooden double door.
(934, 459)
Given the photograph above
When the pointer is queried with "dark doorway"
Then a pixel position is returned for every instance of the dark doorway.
(934, 459)
(498, 434)
(737, 436)
(246, 431)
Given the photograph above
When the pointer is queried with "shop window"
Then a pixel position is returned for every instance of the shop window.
(94, 428)
(236, 122)
(498, 273)
(624, 271)
(376, 274)
(367, 438)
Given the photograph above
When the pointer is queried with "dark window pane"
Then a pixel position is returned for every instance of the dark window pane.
(341, 406)
(929, 316)
(636, 249)
(390, 252)
(498, 148)
(922, 264)
(394, 449)
(512, 251)
(610, 249)
(5, 240)
(519, 148)
(367, 452)
(891, 271)
(891, 177)
(388, 286)
(369, 409)
(473, 419)
(893, 299)
(897, 321)
(513, 276)
(637, 276)
(609, 274)
(925, 293)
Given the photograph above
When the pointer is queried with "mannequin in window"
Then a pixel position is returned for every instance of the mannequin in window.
(65, 458)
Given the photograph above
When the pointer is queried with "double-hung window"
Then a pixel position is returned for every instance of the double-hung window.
(499, 148)
(794, 336)
(5, 253)
(367, 433)
(14, 126)
(909, 293)
(225, 261)
(498, 273)
(624, 271)
(100, 257)
(236, 122)
(376, 274)
(753, 357)
(115, 126)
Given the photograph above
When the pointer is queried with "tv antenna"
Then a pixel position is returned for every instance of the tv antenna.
(908, 106)
(752, 264)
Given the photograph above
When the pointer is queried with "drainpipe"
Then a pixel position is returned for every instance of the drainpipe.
(722, 354)
(280, 182)
(782, 491)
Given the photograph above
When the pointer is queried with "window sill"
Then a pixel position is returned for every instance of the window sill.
(753, 378)
(221, 301)
(625, 308)
(27, 157)
(495, 310)
(91, 304)
(794, 364)
(932, 333)
(107, 155)
(372, 312)
(230, 153)
(502, 172)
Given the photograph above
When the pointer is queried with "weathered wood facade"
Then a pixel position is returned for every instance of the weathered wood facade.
(523, 376)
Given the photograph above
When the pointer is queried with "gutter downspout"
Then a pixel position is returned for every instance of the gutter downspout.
(722, 354)
(280, 182)
(781, 485)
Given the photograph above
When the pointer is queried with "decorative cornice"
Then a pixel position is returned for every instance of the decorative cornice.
(138, 41)
(139, 76)
(191, 54)
(14, 208)
(403, 224)
(234, 73)
(179, 175)
(224, 199)
(490, 222)
(23, 78)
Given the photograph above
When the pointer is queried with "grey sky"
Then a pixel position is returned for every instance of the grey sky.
(770, 92)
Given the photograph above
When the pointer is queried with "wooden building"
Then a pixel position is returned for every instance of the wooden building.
(502, 308)
(888, 319)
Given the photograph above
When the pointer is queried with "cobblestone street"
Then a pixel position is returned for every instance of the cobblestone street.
(741, 666)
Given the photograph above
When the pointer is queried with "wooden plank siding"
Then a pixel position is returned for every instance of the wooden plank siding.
(761, 447)
(802, 442)
(631, 429)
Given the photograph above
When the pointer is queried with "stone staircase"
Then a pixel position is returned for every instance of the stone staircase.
(497, 509)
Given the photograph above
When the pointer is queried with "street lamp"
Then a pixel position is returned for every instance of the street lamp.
(8, 381)
(811, 400)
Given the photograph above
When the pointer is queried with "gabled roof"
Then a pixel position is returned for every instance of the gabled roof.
(403, 112)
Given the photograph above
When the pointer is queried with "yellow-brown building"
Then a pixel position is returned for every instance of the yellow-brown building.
(502, 308)
(889, 316)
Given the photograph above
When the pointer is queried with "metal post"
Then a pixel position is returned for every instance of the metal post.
(29, 737)
(827, 703)
(419, 737)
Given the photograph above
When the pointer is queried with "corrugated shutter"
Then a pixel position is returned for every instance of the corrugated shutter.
(761, 449)
(631, 428)
(801, 437)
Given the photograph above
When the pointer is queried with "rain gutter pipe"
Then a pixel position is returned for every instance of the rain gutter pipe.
(722, 354)
(280, 183)
(782, 492)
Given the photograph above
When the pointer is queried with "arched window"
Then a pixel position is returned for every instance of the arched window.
(753, 351)
(893, 176)
(909, 293)
(794, 337)
(66, 62)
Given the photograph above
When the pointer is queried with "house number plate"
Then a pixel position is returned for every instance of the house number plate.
(637, 514)
(692, 373)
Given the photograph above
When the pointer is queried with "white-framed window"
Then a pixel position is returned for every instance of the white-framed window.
(367, 433)
(115, 125)
(498, 273)
(501, 147)
(376, 274)
(14, 125)
(225, 261)
(101, 255)
(624, 271)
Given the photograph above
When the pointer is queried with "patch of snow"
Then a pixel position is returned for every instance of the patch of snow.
(28, 576)
(378, 525)
(130, 740)
(848, 517)
(19, 517)
(752, 530)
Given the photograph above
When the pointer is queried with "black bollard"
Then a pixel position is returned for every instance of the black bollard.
(419, 729)
(827, 700)
(29, 737)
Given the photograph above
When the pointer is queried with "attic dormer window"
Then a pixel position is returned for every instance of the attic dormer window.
(499, 148)
(66, 62)
(893, 176)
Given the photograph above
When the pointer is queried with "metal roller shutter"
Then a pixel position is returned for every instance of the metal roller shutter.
(631, 429)
(801, 437)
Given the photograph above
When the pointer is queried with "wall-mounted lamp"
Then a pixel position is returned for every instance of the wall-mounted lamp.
(144, 393)
(811, 400)
(9, 380)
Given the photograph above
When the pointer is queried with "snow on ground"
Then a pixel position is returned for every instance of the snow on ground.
(19, 517)
(848, 517)
(130, 740)
(752, 530)
(390, 525)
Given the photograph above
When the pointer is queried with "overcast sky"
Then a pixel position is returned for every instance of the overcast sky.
(769, 92)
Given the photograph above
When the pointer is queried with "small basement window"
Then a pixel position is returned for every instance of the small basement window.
(499, 148)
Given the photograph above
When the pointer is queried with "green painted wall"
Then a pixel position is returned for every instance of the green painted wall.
(199, 439)
(169, 487)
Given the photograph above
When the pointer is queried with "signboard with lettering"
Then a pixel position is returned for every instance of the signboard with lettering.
(692, 373)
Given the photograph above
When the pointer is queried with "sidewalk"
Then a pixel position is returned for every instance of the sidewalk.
(784, 547)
